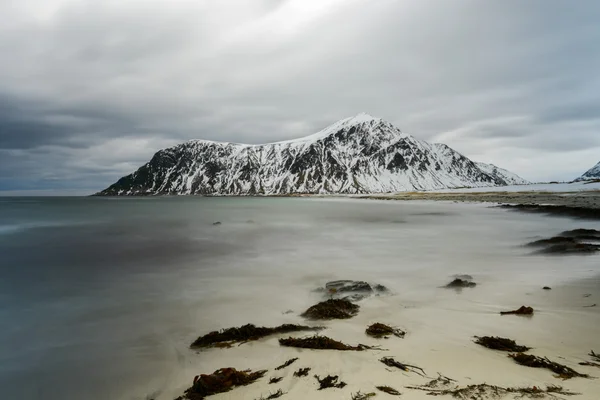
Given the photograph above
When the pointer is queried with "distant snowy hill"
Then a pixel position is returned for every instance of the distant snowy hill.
(509, 177)
(592, 173)
(361, 154)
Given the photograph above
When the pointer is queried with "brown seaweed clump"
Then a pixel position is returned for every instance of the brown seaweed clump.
(332, 309)
(388, 390)
(275, 380)
(302, 372)
(379, 331)
(561, 371)
(320, 343)
(502, 344)
(523, 310)
(222, 380)
(248, 332)
(330, 381)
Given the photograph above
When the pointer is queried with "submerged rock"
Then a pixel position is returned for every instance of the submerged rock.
(379, 330)
(460, 283)
(351, 290)
(332, 309)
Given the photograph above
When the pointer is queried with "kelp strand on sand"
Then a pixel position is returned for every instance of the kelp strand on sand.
(330, 381)
(388, 390)
(362, 396)
(523, 310)
(302, 372)
(331, 309)
(390, 362)
(379, 330)
(318, 342)
(248, 332)
(271, 396)
(594, 356)
(561, 371)
(498, 343)
(222, 380)
(286, 364)
(275, 380)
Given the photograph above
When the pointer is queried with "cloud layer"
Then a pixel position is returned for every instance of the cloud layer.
(90, 90)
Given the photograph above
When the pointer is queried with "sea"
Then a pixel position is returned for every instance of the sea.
(101, 297)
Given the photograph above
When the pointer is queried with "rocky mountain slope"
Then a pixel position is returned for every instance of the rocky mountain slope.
(591, 174)
(507, 176)
(361, 154)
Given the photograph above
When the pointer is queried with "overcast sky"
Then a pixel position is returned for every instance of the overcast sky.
(90, 89)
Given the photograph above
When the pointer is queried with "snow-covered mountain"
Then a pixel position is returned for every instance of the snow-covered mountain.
(592, 173)
(509, 177)
(361, 154)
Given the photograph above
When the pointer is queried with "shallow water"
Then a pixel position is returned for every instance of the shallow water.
(100, 298)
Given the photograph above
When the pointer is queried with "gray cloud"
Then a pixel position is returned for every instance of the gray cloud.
(90, 90)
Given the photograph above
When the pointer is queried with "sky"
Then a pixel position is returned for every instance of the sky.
(90, 90)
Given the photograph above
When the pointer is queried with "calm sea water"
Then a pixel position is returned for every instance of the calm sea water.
(100, 298)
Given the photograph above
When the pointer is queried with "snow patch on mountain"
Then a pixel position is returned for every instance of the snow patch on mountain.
(509, 177)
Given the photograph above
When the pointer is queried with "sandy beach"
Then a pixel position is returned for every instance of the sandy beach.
(440, 325)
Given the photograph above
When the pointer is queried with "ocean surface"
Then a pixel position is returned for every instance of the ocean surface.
(100, 297)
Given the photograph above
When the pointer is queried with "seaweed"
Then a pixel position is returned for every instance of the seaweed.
(321, 343)
(498, 343)
(275, 380)
(363, 396)
(275, 395)
(484, 391)
(248, 332)
(390, 362)
(330, 381)
(561, 371)
(595, 357)
(286, 364)
(388, 390)
(523, 310)
(332, 309)
(222, 380)
(378, 330)
(302, 372)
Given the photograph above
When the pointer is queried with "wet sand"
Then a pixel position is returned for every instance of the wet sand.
(590, 199)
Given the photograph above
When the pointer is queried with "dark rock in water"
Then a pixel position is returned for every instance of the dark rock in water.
(577, 212)
(217, 223)
(547, 288)
(351, 290)
(523, 310)
(464, 277)
(220, 381)
(379, 330)
(332, 309)
(570, 242)
(460, 283)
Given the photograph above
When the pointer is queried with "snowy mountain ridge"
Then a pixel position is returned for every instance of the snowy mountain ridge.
(361, 154)
(591, 174)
